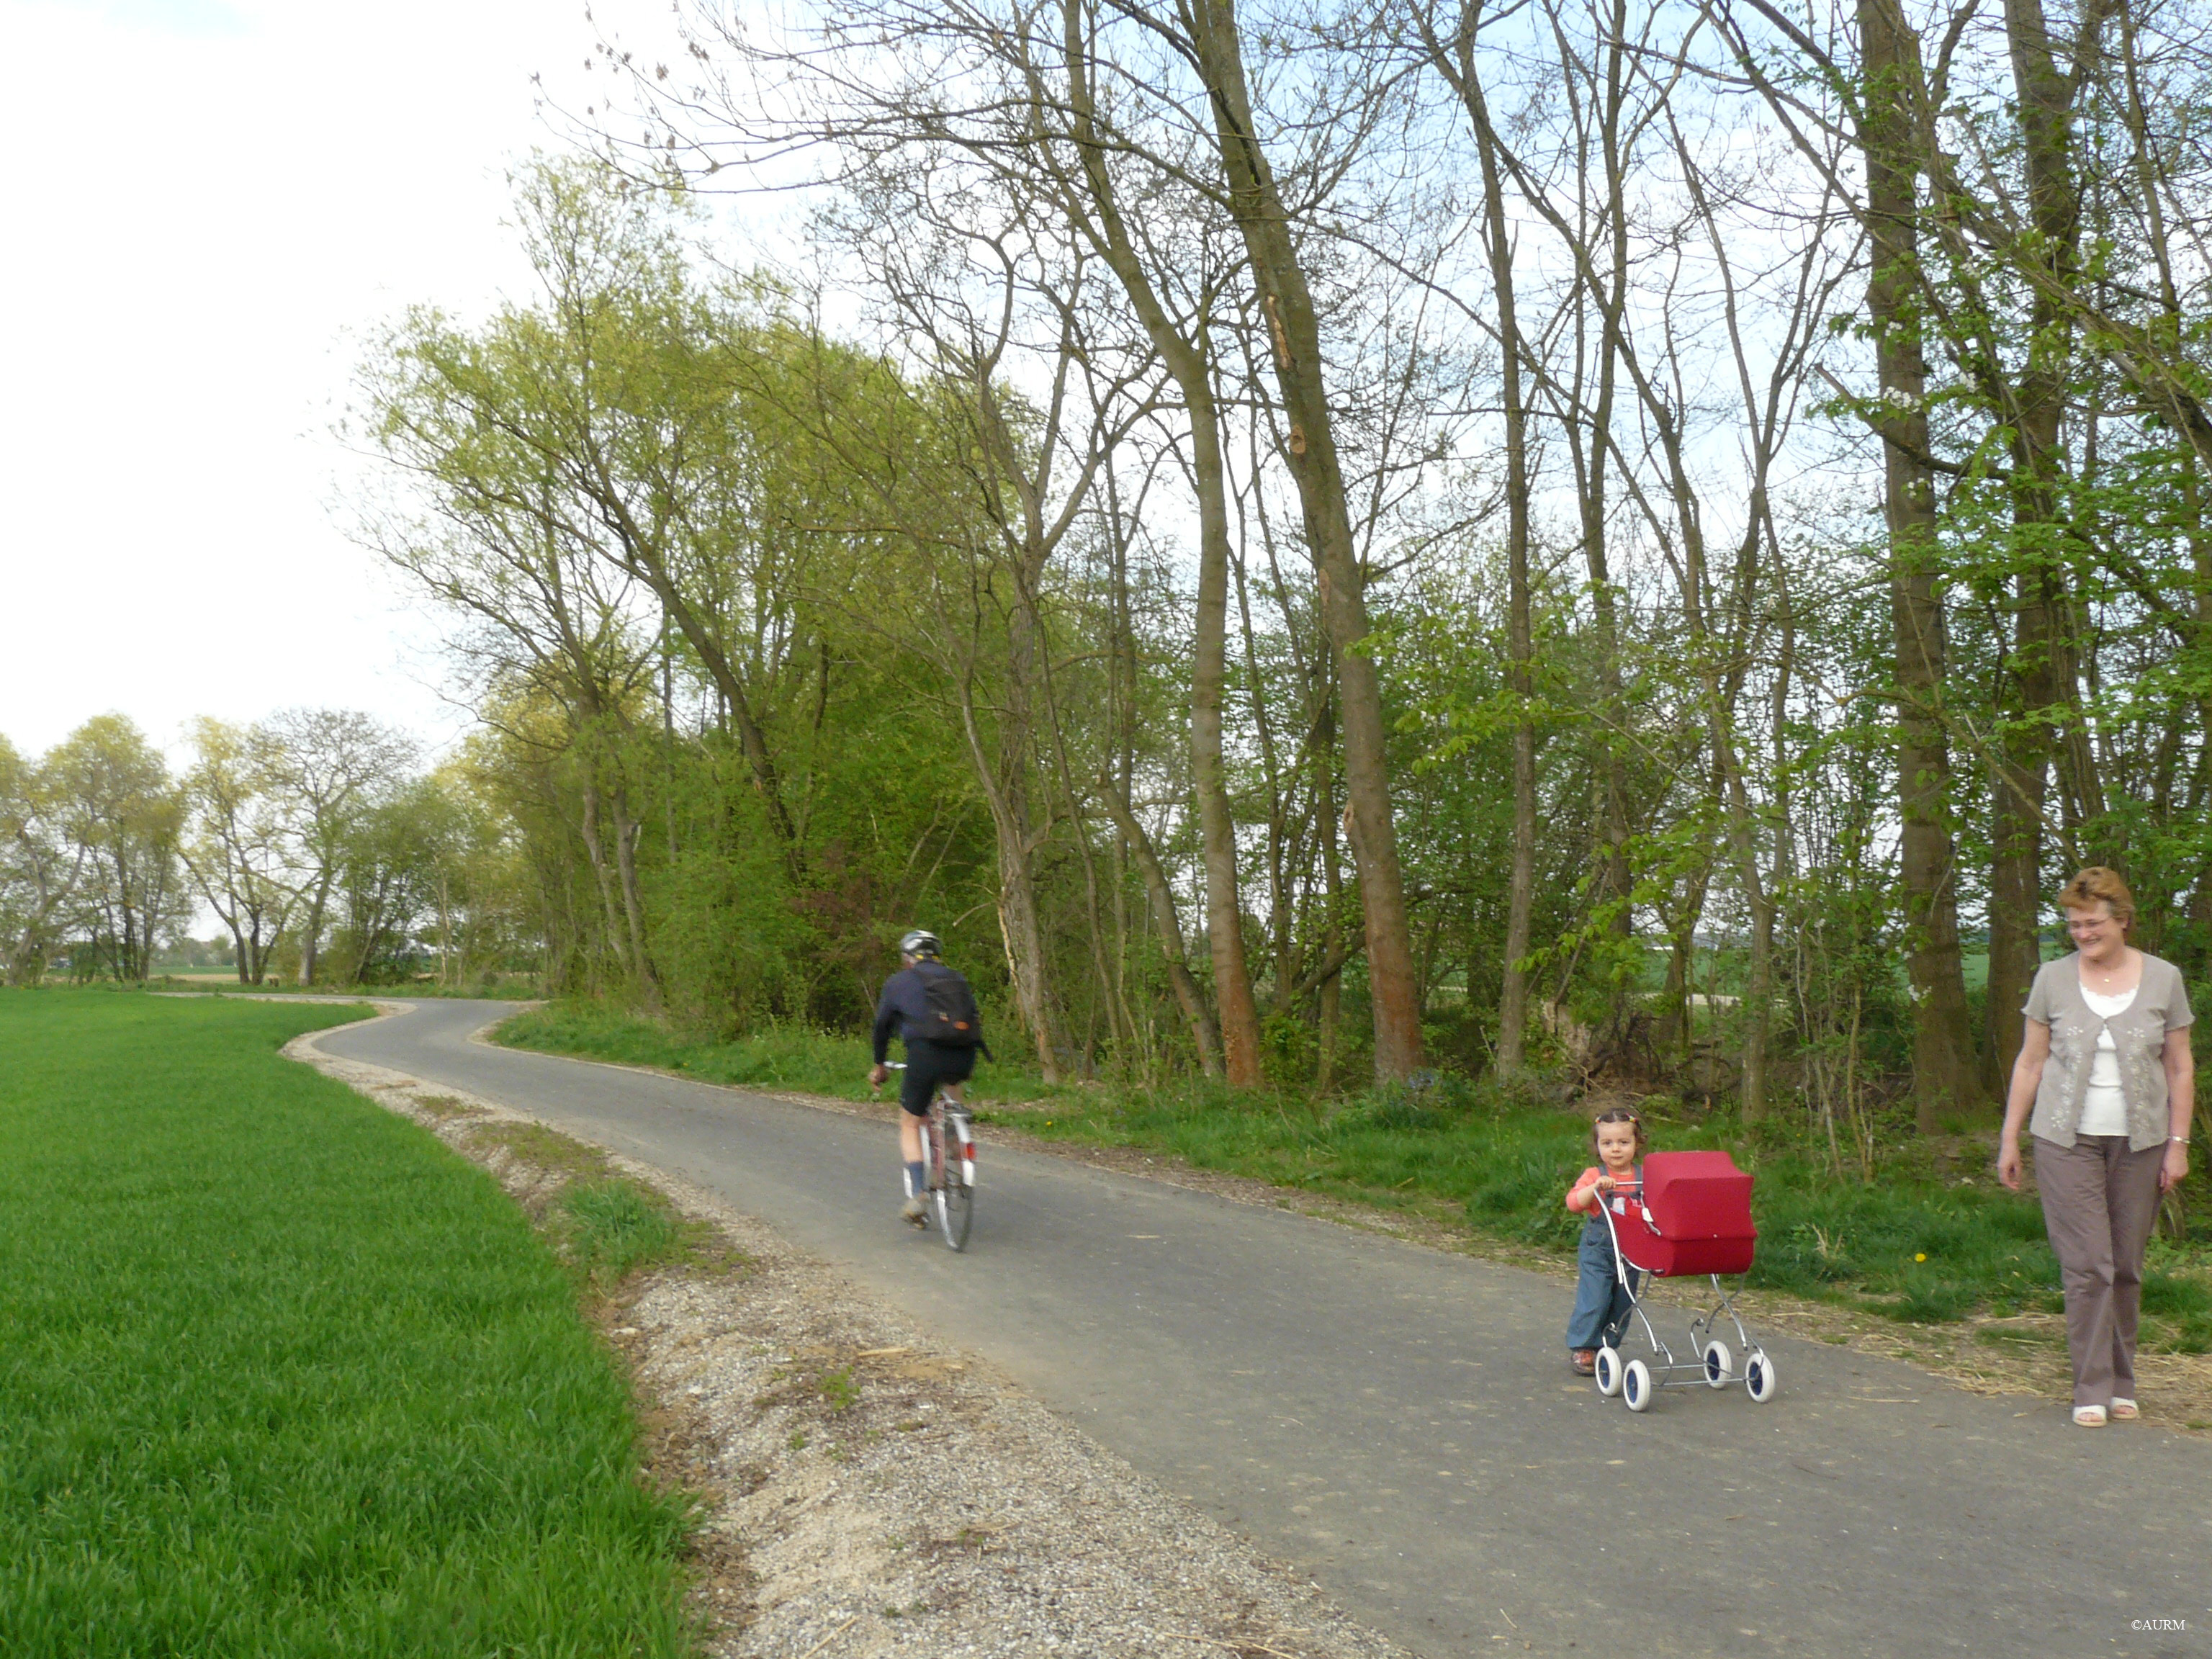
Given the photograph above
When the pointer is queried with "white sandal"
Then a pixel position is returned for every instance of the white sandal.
(2124, 1411)
(2088, 1416)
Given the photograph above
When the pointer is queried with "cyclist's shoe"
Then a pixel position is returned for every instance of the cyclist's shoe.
(916, 1210)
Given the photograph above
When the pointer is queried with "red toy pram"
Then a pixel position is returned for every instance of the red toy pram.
(1691, 1215)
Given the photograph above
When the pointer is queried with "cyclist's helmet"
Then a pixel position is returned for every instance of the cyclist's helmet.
(919, 943)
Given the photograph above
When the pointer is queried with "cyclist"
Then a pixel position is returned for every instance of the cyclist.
(932, 1007)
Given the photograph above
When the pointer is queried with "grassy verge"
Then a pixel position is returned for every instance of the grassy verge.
(1929, 1239)
(779, 1057)
(279, 1374)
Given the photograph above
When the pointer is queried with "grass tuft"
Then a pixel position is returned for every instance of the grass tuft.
(615, 1228)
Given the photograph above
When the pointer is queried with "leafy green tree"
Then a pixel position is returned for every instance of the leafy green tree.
(40, 866)
(235, 844)
(115, 800)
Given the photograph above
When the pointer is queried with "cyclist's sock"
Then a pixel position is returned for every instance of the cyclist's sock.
(916, 1180)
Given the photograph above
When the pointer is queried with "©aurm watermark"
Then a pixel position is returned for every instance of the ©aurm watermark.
(2158, 1624)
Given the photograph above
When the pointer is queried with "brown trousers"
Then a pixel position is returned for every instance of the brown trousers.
(2099, 1202)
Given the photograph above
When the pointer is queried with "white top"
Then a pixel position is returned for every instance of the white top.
(2105, 1109)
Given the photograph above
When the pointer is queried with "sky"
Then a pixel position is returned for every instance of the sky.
(210, 204)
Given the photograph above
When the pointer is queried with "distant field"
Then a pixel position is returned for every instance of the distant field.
(280, 1375)
(226, 979)
(1724, 969)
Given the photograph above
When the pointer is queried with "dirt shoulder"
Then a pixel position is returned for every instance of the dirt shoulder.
(866, 1490)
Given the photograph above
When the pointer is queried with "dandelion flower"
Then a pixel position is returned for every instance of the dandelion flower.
(1922, 1256)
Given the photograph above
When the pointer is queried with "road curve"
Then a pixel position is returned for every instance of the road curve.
(1400, 1423)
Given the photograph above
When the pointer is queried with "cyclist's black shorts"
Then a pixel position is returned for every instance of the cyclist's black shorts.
(928, 1064)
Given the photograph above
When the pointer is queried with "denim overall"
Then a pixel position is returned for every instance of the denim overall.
(1602, 1301)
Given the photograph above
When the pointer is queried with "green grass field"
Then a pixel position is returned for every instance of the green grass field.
(1919, 1241)
(281, 1375)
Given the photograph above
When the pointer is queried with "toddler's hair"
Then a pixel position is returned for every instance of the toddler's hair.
(1620, 1114)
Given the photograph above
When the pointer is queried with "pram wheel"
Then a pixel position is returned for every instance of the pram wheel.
(1758, 1375)
(1608, 1371)
(1717, 1359)
(1636, 1385)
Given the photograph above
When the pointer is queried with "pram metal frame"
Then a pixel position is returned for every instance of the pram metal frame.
(1703, 1373)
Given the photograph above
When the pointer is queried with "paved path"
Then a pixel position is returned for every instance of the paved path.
(1398, 1422)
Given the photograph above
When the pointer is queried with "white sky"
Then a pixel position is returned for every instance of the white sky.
(207, 202)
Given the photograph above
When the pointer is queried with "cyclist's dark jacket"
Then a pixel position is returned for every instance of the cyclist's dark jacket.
(904, 1007)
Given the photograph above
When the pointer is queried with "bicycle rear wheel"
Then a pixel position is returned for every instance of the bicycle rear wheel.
(956, 1187)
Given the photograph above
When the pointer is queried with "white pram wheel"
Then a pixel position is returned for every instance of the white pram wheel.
(1758, 1375)
(1608, 1371)
(1718, 1362)
(1636, 1385)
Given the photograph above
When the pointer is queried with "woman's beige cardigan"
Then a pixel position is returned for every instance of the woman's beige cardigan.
(2161, 1004)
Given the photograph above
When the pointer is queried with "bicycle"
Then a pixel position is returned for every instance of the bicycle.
(950, 1192)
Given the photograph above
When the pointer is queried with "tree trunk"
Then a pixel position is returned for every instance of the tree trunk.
(1315, 465)
(1521, 885)
(596, 852)
(1943, 1062)
(626, 834)
(1620, 879)
(1168, 925)
(310, 937)
(1718, 700)
(2019, 781)
(2044, 103)
(1330, 997)
(1188, 362)
(1225, 915)
(1025, 939)
(1004, 778)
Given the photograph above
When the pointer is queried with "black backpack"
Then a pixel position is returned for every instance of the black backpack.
(954, 1018)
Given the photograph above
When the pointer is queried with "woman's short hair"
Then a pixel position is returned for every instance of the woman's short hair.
(2098, 885)
(1620, 1114)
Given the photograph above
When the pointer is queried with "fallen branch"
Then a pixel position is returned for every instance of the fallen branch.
(1234, 1647)
(830, 1638)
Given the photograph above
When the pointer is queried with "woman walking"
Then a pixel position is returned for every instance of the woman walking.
(2104, 1064)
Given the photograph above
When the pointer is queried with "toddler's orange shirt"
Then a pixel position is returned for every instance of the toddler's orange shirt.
(1581, 1199)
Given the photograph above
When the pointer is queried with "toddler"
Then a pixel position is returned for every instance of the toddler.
(1602, 1301)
